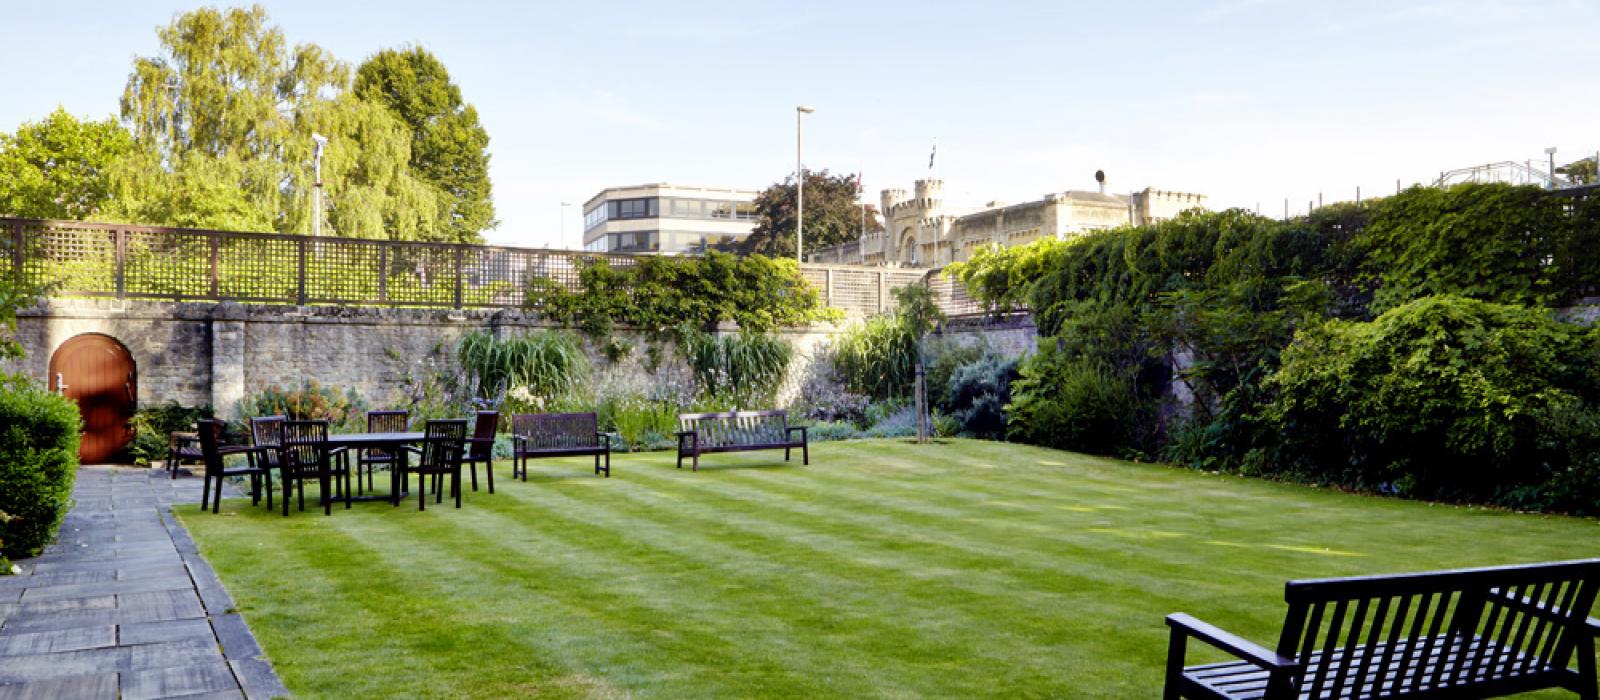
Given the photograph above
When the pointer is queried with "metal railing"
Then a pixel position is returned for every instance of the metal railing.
(80, 259)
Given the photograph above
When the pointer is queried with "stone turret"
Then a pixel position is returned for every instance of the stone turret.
(930, 193)
(891, 198)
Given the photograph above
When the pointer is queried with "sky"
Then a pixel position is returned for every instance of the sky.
(1249, 102)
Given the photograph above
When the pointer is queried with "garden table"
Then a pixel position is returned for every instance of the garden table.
(392, 442)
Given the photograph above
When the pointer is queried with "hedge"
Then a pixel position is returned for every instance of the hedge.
(38, 462)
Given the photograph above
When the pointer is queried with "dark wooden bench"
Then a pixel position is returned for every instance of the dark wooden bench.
(537, 435)
(1469, 633)
(738, 431)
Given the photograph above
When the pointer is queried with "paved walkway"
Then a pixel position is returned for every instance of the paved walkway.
(122, 605)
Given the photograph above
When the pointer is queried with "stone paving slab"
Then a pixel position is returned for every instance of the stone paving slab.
(123, 606)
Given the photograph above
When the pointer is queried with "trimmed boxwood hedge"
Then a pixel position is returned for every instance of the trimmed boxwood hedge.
(38, 460)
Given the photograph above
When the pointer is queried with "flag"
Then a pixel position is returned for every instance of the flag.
(931, 154)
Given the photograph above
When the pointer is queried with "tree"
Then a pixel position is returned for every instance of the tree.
(225, 119)
(59, 168)
(449, 148)
(1581, 171)
(833, 215)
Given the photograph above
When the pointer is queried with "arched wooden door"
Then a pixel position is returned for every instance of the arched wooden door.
(99, 374)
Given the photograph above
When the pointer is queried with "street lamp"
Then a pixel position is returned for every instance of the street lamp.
(316, 194)
(799, 188)
(1551, 151)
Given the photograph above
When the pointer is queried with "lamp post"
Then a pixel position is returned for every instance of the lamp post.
(1551, 151)
(316, 194)
(799, 187)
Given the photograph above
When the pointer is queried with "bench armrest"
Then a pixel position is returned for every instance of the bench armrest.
(682, 433)
(800, 428)
(604, 438)
(1245, 649)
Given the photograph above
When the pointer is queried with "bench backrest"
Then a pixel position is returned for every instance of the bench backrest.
(1525, 619)
(557, 430)
(737, 427)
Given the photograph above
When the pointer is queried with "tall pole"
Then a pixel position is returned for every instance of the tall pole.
(1551, 151)
(799, 187)
(316, 193)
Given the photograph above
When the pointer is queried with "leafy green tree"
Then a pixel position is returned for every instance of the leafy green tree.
(60, 167)
(1443, 396)
(1494, 242)
(449, 148)
(226, 116)
(1582, 171)
(833, 215)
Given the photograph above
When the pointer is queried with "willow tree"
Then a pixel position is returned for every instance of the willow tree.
(224, 120)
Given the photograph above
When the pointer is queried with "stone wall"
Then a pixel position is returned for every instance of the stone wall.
(216, 353)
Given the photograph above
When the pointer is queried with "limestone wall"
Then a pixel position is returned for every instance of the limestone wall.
(216, 353)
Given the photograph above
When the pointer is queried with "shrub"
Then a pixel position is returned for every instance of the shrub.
(660, 294)
(824, 398)
(892, 420)
(548, 364)
(825, 431)
(345, 411)
(39, 434)
(642, 424)
(152, 426)
(944, 356)
(976, 396)
(743, 369)
(877, 358)
(1059, 401)
(1443, 397)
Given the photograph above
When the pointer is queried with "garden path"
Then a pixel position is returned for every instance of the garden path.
(122, 605)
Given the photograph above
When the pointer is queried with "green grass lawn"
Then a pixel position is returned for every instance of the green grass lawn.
(884, 569)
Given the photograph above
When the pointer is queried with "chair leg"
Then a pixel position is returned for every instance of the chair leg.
(327, 498)
(301, 482)
(455, 485)
(422, 492)
(205, 492)
(696, 466)
(216, 497)
(597, 463)
(785, 454)
(347, 487)
(488, 472)
(255, 489)
(267, 476)
(288, 493)
(474, 466)
(608, 463)
(805, 453)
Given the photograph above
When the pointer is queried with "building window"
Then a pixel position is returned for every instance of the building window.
(642, 208)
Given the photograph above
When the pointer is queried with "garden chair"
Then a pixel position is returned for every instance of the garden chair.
(480, 447)
(440, 455)
(266, 433)
(212, 452)
(182, 447)
(304, 456)
(370, 458)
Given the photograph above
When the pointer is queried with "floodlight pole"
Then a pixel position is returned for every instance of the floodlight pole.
(799, 187)
(316, 193)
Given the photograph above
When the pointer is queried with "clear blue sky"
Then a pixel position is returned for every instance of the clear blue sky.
(1244, 100)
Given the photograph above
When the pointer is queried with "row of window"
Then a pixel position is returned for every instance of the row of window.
(660, 242)
(672, 207)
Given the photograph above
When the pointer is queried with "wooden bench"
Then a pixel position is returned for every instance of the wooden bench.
(1469, 633)
(537, 435)
(738, 431)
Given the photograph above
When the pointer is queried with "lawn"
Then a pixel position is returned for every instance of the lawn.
(884, 569)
